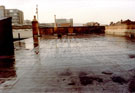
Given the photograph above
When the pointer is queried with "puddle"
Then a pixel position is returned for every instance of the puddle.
(7, 68)
(118, 80)
(131, 56)
(67, 72)
(7, 74)
(64, 79)
(131, 86)
(2, 81)
(86, 80)
(72, 83)
(82, 74)
(107, 73)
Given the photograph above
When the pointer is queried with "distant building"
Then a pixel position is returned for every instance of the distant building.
(2, 12)
(121, 28)
(126, 22)
(17, 16)
(78, 24)
(91, 24)
(46, 24)
(27, 22)
(64, 22)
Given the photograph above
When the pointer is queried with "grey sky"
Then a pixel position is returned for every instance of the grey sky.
(82, 11)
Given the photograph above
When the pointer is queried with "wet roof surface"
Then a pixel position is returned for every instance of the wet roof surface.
(75, 64)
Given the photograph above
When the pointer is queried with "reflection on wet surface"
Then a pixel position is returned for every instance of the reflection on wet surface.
(7, 64)
(36, 44)
(7, 70)
(75, 64)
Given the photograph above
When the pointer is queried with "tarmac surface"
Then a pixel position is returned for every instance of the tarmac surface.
(73, 64)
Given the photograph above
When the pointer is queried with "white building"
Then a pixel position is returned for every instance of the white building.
(64, 22)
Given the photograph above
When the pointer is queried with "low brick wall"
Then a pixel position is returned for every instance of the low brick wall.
(121, 30)
(76, 30)
(22, 27)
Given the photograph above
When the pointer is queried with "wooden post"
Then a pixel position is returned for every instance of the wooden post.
(19, 36)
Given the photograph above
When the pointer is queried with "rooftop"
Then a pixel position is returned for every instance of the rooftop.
(74, 64)
(128, 22)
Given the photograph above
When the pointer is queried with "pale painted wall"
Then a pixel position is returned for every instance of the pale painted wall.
(24, 33)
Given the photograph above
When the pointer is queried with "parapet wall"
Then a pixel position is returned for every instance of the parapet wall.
(22, 27)
(70, 30)
(121, 30)
(121, 26)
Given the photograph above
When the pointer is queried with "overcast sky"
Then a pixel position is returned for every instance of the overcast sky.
(82, 11)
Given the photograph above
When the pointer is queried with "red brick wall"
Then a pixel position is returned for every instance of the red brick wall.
(77, 30)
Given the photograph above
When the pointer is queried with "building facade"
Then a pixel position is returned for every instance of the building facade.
(121, 28)
(64, 22)
(27, 22)
(17, 16)
(2, 12)
(46, 24)
(91, 24)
